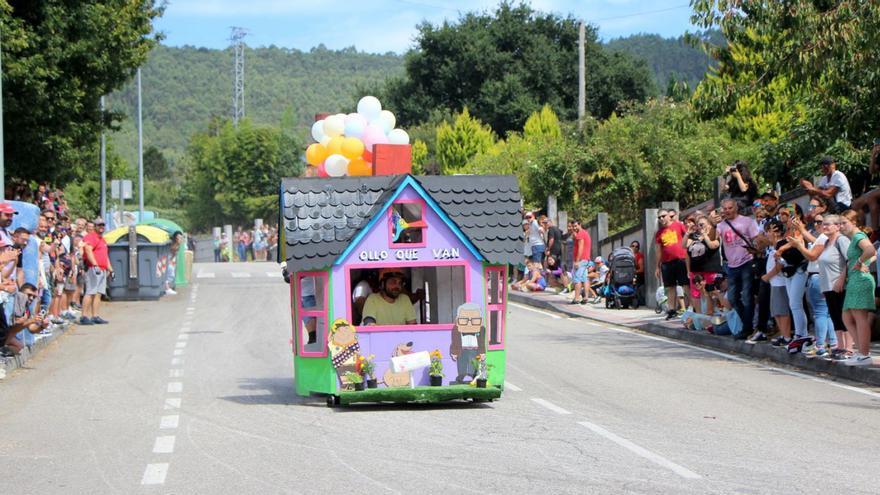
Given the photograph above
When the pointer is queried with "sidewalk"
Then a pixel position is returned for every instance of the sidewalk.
(647, 320)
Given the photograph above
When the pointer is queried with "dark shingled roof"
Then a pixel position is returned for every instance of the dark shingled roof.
(321, 216)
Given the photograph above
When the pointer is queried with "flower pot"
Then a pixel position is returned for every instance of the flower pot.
(372, 383)
(436, 381)
(358, 386)
(481, 383)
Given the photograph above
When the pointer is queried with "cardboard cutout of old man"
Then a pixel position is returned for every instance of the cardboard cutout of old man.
(468, 339)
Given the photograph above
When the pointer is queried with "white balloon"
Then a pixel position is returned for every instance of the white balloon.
(398, 136)
(386, 120)
(369, 107)
(325, 140)
(334, 125)
(336, 165)
(318, 130)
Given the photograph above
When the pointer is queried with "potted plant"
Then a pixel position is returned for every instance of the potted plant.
(481, 368)
(355, 379)
(435, 372)
(366, 367)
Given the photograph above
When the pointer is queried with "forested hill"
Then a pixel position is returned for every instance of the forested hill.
(667, 57)
(184, 87)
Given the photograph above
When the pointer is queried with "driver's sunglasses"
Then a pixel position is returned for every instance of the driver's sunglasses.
(662, 216)
(472, 321)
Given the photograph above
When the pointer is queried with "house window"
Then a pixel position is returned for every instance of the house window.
(496, 295)
(310, 325)
(406, 224)
(436, 291)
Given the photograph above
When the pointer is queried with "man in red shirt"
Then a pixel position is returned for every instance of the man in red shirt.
(671, 265)
(581, 255)
(97, 260)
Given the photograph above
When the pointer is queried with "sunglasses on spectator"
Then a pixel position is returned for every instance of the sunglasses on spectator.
(661, 216)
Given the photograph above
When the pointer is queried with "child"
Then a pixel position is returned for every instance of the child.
(534, 280)
(779, 307)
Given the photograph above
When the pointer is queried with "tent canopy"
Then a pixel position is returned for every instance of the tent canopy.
(165, 224)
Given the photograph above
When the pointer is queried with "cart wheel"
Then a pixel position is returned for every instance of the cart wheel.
(658, 310)
(332, 400)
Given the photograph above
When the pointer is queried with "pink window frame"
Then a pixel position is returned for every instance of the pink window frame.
(407, 328)
(303, 313)
(403, 245)
(501, 273)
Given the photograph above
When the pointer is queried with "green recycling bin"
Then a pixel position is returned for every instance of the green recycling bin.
(139, 257)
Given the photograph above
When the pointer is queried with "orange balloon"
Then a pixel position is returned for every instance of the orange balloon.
(359, 168)
(352, 147)
(316, 153)
(334, 147)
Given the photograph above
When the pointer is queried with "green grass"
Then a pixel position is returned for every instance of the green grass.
(419, 394)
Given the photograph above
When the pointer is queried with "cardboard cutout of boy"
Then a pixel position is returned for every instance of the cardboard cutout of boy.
(344, 349)
(468, 339)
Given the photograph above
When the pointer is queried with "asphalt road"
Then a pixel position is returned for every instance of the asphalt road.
(193, 394)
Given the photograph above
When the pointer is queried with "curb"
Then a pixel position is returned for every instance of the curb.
(866, 375)
(10, 364)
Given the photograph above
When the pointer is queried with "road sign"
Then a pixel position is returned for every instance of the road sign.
(126, 189)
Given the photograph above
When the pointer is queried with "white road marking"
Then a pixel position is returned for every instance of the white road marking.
(512, 387)
(175, 387)
(739, 360)
(172, 403)
(178, 352)
(180, 345)
(185, 328)
(176, 361)
(190, 309)
(169, 422)
(241, 275)
(273, 274)
(175, 373)
(155, 474)
(164, 445)
(641, 451)
(205, 275)
(533, 310)
(183, 336)
(549, 405)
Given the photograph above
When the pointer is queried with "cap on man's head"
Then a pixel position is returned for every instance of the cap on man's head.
(7, 208)
(769, 195)
(827, 160)
(387, 273)
(98, 221)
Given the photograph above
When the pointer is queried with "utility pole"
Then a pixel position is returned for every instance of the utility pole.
(582, 77)
(103, 165)
(2, 163)
(140, 152)
(237, 40)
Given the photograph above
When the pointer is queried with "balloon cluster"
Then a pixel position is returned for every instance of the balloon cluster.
(345, 142)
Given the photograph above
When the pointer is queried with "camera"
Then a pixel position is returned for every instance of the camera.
(732, 169)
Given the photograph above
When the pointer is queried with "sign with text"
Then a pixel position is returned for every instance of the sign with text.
(411, 362)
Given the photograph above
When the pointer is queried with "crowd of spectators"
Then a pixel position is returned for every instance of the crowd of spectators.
(257, 244)
(754, 269)
(71, 268)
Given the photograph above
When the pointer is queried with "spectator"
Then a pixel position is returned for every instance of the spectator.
(871, 198)
(704, 257)
(535, 238)
(770, 202)
(97, 270)
(737, 234)
(171, 267)
(833, 185)
(671, 267)
(598, 278)
(779, 300)
(859, 299)
(741, 187)
(817, 206)
(794, 267)
(217, 248)
(23, 319)
(581, 255)
(556, 276)
(554, 238)
(533, 281)
(639, 281)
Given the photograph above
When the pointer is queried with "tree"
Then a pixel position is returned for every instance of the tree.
(156, 166)
(506, 65)
(58, 59)
(461, 141)
(235, 172)
(542, 125)
(806, 70)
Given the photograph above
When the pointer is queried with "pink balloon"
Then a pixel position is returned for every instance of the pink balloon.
(322, 172)
(374, 134)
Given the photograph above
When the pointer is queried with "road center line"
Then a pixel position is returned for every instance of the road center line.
(183, 336)
(180, 345)
(533, 310)
(173, 403)
(641, 451)
(511, 387)
(164, 445)
(169, 422)
(175, 387)
(176, 361)
(178, 352)
(549, 405)
(175, 373)
(205, 275)
(241, 275)
(155, 474)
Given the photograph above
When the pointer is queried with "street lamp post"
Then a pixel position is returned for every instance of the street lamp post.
(140, 153)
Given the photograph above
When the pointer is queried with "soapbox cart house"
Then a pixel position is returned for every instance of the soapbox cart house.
(449, 239)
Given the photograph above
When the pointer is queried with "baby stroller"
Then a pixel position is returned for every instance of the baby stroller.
(620, 290)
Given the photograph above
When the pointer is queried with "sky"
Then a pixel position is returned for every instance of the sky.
(380, 26)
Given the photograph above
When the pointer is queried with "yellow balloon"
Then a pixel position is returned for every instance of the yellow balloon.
(352, 147)
(316, 153)
(359, 168)
(334, 147)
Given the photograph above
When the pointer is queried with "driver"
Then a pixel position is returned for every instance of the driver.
(391, 305)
